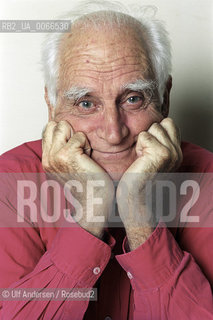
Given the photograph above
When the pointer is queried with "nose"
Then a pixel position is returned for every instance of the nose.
(112, 128)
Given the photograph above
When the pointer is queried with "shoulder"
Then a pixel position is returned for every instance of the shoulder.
(23, 158)
(196, 158)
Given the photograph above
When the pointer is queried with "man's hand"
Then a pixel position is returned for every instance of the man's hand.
(66, 155)
(158, 150)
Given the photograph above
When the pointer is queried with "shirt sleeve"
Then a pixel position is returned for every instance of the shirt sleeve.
(166, 281)
(76, 259)
(66, 258)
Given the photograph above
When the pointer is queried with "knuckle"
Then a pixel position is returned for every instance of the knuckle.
(58, 129)
(46, 128)
(167, 121)
(51, 162)
(45, 164)
(50, 126)
(60, 158)
(141, 134)
(155, 125)
(63, 124)
(78, 138)
(52, 123)
(177, 159)
(170, 124)
(165, 154)
(144, 135)
(153, 128)
(58, 162)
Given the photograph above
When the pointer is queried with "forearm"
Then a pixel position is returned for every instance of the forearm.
(138, 222)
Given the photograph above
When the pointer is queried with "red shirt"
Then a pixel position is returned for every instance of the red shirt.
(167, 277)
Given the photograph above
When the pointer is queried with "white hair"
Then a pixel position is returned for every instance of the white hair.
(152, 31)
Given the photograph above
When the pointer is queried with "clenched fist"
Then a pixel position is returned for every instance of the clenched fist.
(158, 150)
(66, 155)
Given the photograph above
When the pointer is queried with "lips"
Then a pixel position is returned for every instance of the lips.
(120, 154)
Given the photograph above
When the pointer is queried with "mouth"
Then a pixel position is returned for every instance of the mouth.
(116, 155)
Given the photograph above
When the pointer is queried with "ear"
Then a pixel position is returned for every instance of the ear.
(51, 109)
(166, 98)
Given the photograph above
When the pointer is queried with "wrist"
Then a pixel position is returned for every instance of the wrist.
(137, 236)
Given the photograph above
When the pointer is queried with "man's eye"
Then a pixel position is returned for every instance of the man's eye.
(86, 104)
(134, 99)
(134, 103)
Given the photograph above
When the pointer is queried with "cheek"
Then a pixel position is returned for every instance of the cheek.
(85, 125)
(143, 120)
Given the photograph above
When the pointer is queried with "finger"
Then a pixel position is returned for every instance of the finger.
(168, 134)
(175, 136)
(148, 144)
(80, 149)
(158, 131)
(47, 136)
(172, 130)
(61, 135)
(79, 143)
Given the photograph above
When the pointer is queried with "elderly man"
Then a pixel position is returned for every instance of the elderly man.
(107, 91)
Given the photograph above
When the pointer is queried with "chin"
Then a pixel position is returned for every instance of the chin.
(117, 170)
(115, 164)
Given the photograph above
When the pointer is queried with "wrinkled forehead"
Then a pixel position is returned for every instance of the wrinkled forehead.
(102, 54)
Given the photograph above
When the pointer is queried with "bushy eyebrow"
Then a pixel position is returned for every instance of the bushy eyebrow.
(75, 93)
(139, 85)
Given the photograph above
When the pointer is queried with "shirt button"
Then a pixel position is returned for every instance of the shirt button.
(96, 270)
(129, 275)
(107, 318)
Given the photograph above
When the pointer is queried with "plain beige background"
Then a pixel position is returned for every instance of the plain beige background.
(23, 112)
